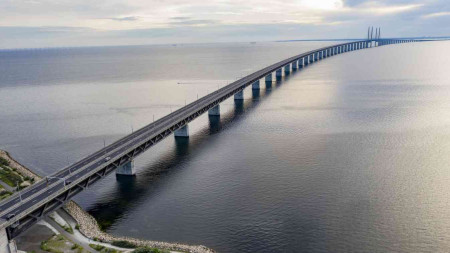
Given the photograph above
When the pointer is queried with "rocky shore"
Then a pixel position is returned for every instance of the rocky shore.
(20, 168)
(89, 227)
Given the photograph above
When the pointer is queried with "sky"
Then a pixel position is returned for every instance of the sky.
(65, 23)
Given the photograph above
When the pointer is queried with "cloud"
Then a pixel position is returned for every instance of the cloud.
(129, 18)
(155, 21)
(436, 14)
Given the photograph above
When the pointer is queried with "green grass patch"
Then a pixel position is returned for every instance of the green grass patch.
(124, 244)
(68, 229)
(9, 177)
(59, 244)
(54, 244)
(4, 162)
(5, 194)
(149, 250)
(96, 247)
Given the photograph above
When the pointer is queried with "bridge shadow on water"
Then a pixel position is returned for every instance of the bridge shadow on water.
(130, 190)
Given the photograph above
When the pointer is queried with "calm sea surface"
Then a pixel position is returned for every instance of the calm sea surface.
(351, 154)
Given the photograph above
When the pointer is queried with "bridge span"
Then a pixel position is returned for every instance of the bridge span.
(25, 208)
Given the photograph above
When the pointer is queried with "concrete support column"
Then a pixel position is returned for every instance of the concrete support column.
(182, 132)
(4, 247)
(300, 63)
(294, 65)
(127, 169)
(215, 111)
(287, 69)
(268, 78)
(311, 59)
(255, 85)
(316, 56)
(278, 73)
(239, 95)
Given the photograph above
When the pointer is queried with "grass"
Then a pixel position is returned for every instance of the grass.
(149, 250)
(124, 244)
(68, 229)
(96, 247)
(59, 244)
(77, 247)
(4, 162)
(9, 177)
(102, 249)
(53, 244)
(5, 194)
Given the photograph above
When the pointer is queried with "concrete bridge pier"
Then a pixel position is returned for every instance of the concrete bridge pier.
(268, 78)
(4, 247)
(127, 169)
(300, 63)
(183, 132)
(287, 69)
(255, 85)
(239, 95)
(278, 74)
(316, 56)
(215, 111)
(294, 66)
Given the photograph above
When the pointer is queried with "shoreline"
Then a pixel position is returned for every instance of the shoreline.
(20, 168)
(88, 225)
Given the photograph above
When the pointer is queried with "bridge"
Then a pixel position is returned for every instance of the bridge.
(25, 208)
